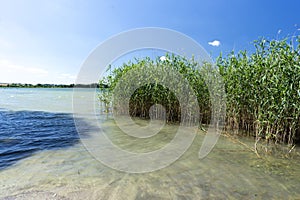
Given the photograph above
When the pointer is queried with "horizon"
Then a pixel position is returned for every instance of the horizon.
(35, 84)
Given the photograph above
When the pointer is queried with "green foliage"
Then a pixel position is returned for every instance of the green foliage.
(152, 73)
(262, 89)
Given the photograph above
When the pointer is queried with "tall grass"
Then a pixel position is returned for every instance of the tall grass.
(262, 90)
(153, 91)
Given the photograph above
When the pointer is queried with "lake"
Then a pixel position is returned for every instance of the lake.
(43, 157)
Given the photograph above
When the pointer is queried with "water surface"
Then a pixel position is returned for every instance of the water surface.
(41, 157)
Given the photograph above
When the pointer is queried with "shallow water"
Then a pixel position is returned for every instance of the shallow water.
(61, 167)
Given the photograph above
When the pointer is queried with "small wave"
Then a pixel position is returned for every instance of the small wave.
(24, 132)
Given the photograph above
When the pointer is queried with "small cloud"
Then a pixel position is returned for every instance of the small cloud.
(8, 66)
(215, 43)
(163, 58)
(279, 31)
(68, 76)
(37, 71)
(12, 72)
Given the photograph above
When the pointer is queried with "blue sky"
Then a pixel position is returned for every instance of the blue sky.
(47, 41)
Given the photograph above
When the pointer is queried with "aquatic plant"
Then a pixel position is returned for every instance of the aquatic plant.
(262, 89)
(152, 91)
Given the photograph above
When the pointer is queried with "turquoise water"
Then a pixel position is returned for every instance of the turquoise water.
(37, 99)
(42, 158)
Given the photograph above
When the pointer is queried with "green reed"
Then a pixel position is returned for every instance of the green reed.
(262, 89)
(153, 92)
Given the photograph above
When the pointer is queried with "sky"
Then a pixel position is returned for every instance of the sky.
(47, 41)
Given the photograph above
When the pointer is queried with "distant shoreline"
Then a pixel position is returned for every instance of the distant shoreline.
(39, 85)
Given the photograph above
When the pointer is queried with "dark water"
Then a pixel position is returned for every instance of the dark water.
(22, 133)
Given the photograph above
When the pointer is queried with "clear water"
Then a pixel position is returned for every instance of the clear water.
(41, 157)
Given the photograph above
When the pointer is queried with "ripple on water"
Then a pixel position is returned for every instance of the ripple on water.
(23, 133)
(41, 157)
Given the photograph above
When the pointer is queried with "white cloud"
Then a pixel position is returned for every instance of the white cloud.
(13, 72)
(8, 66)
(163, 58)
(67, 77)
(215, 43)
(279, 31)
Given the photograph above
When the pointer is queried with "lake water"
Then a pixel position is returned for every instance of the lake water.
(42, 157)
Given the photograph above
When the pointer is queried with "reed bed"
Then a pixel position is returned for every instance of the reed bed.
(156, 76)
(262, 89)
